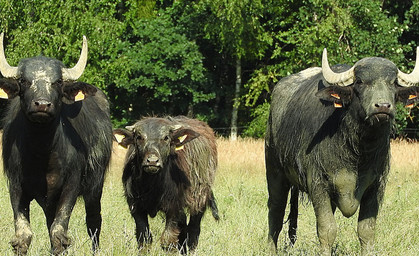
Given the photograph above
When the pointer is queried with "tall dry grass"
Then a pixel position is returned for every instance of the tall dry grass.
(240, 190)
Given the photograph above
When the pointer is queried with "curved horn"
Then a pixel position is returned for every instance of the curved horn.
(411, 79)
(5, 69)
(342, 79)
(75, 72)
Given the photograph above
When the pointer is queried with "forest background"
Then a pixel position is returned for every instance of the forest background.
(216, 60)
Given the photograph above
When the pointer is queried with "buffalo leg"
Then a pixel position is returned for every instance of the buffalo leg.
(170, 238)
(194, 229)
(278, 188)
(58, 231)
(142, 230)
(183, 228)
(366, 220)
(293, 216)
(93, 217)
(325, 220)
(23, 233)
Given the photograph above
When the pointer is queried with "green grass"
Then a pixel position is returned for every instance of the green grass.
(241, 194)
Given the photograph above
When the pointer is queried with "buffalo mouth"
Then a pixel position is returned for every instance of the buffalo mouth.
(151, 169)
(40, 116)
(380, 118)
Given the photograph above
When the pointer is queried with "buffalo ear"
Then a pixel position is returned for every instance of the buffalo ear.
(182, 136)
(408, 95)
(123, 137)
(9, 88)
(338, 95)
(77, 91)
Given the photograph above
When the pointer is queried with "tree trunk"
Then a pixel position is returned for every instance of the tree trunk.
(234, 114)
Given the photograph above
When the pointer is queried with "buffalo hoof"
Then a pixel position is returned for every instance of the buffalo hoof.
(21, 244)
(169, 244)
(59, 240)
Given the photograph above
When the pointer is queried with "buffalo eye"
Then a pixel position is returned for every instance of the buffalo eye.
(59, 82)
(166, 138)
(139, 138)
(23, 83)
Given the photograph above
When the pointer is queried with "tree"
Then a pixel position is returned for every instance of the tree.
(233, 28)
(163, 72)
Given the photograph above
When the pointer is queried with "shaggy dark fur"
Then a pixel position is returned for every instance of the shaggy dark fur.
(170, 166)
(54, 150)
(339, 156)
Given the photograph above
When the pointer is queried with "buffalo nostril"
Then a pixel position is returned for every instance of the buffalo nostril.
(383, 105)
(152, 159)
(42, 105)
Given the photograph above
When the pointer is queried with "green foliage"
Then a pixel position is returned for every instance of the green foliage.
(237, 28)
(162, 72)
(178, 57)
(257, 127)
(401, 119)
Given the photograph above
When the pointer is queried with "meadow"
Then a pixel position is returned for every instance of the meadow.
(240, 190)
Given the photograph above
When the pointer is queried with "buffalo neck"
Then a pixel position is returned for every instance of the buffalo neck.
(365, 138)
(40, 136)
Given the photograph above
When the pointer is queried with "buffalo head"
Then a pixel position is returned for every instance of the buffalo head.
(42, 84)
(154, 140)
(375, 83)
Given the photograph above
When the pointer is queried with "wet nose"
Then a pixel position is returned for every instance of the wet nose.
(152, 159)
(41, 105)
(383, 105)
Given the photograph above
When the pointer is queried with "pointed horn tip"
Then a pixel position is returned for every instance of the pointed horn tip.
(84, 40)
(75, 72)
(324, 57)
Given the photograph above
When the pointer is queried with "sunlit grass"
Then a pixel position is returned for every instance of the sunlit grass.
(240, 189)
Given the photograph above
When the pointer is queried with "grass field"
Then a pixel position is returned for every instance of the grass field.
(241, 194)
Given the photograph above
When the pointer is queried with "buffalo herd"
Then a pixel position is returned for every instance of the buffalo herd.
(328, 136)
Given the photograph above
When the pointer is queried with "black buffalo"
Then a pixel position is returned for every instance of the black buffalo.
(57, 143)
(329, 135)
(170, 166)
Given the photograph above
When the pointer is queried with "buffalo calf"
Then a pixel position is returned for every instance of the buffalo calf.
(170, 166)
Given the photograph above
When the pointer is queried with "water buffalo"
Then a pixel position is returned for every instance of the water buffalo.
(57, 143)
(170, 166)
(328, 135)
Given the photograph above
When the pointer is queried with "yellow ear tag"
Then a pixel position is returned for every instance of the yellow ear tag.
(335, 95)
(119, 137)
(409, 106)
(181, 139)
(412, 96)
(337, 105)
(180, 147)
(3, 94)
(79, 96)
